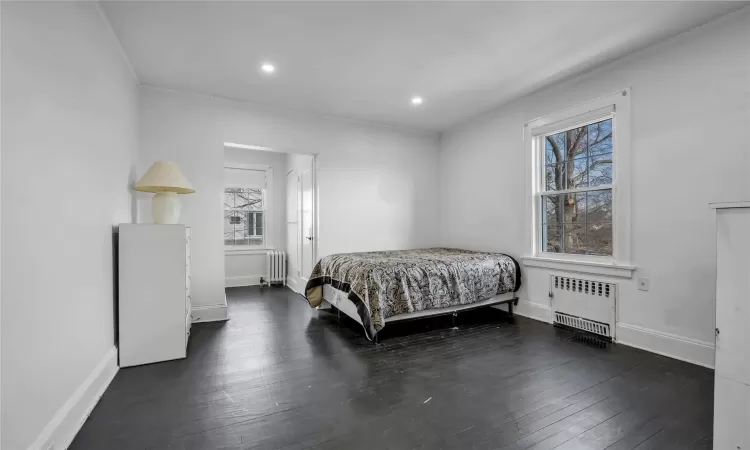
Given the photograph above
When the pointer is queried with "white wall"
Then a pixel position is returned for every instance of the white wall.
(246, 269)
(690, 112)
(377, 184)
(69, 105)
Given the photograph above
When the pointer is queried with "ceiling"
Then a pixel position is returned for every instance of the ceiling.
(365, 60)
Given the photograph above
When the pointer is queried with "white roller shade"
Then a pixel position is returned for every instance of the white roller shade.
(245, 177)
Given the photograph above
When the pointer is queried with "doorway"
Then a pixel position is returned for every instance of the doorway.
(280, 190)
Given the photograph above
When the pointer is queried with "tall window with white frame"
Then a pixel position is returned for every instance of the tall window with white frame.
(575, 196)
(578, 186)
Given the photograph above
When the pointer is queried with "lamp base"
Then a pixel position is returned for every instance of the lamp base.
(165, 208)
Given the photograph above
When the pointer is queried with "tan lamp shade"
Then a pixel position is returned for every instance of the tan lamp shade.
(164, 176)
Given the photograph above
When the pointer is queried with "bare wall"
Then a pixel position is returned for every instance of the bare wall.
(690, 112)
(69, 105)
(378, 185)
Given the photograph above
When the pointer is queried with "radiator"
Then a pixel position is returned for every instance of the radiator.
(584, 304)
(275, 267)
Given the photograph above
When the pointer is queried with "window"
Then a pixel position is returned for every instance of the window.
(254, 225)
(576, 198)
(579, 192)
(243, 216)
(246, 207)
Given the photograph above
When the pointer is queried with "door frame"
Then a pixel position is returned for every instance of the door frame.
(315, 218)
(316, 214)
(315, 187)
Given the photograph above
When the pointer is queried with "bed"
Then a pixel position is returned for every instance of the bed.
(375, 288)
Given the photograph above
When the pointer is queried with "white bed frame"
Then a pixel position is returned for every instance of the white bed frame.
(340, 299)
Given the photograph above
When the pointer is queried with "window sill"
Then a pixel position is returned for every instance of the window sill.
(588, 267)
(247, 251)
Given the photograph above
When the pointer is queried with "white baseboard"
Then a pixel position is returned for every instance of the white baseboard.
(210, 313)
(673, 346)
(678, 347)
(244, 280)
(69, 419)
(294, 284)
(535, 311)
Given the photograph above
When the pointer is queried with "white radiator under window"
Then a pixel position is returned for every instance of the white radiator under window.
(588, 305)
(276, 267)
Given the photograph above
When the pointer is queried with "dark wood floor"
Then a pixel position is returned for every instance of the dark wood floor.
(281, 375)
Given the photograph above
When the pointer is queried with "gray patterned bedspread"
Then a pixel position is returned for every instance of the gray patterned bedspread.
(385, 284)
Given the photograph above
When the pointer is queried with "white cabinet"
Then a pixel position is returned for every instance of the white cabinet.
(154, 293)
(731, 414)
(732, 375)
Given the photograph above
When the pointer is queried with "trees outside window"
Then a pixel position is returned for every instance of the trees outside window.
(243, 216)
(576, 197)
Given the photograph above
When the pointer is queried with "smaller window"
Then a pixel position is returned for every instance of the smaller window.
(254, 222)
(243, 217)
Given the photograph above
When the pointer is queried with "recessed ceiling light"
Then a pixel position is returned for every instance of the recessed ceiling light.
(268, 68)
(417, 100)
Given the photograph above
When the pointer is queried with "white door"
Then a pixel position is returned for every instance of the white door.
(306, 228)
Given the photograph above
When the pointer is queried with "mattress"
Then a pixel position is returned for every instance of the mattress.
(384, 285)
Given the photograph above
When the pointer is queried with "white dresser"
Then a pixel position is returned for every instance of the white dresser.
(732, 375)
(154, 293)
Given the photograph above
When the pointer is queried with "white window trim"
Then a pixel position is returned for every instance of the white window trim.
(267, 211)
(616, 105)
(596, 268)
(247, 251)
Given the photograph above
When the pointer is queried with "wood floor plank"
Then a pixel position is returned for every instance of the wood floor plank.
(280, 375)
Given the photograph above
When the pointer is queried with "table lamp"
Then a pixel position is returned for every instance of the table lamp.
(166, 180)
